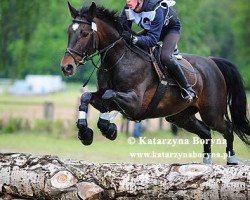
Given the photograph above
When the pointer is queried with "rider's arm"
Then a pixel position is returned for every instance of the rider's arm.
(154, 33)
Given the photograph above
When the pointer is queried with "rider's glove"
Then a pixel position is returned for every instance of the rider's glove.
(129, 38)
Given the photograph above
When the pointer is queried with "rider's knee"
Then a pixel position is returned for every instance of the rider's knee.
(166, 59)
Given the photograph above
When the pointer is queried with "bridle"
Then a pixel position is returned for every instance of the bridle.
(85, 56)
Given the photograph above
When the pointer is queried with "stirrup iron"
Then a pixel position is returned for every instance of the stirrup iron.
(188, 96)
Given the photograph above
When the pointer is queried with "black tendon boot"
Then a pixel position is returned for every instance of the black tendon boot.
(176, 71)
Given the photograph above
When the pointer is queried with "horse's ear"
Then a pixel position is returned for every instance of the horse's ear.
(74, 13)
(92, 10)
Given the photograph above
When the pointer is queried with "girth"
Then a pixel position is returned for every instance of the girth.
(158, 95)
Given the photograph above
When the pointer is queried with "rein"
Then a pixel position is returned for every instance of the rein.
(97, 66)
(85, 57)
(140, 52)
(104, 50)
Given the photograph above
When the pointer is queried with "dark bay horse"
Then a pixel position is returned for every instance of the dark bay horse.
(126, 82)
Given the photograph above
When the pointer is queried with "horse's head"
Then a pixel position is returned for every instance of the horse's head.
(81, 40)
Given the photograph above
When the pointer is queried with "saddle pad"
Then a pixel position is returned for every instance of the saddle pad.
(187, 68)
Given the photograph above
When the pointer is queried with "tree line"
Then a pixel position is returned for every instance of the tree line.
(33, 33)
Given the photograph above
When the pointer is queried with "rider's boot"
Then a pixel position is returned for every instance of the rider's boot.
(176, 71)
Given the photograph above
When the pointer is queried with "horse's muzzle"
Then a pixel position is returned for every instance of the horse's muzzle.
(68, 70)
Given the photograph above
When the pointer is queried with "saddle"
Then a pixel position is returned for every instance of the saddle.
(166, 79)
(187, 68)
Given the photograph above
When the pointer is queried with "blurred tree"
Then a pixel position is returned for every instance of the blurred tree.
(241, 30)
(203, 33)
(33, 33)
(191, 36)
(18, 21)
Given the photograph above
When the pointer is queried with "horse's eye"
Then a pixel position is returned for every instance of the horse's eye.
(84, 34)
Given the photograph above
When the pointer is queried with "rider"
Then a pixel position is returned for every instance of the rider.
(159, 23)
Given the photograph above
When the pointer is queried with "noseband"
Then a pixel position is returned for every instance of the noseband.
(85, 54)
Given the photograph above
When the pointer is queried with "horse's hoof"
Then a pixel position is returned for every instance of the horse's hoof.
(109, 94)
(82, 124)
(232, 160)
(86, 136)
(207, 161)
(111, 133)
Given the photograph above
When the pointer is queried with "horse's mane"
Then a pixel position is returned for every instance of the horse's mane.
(111, 17)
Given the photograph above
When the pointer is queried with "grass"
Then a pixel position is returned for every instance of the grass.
(104, 151)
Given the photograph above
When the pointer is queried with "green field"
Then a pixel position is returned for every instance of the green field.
(64, 143)
(119, 151)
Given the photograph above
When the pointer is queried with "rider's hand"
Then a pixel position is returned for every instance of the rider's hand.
(127, 36)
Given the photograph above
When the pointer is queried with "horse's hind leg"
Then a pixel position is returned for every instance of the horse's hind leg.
(218, 123)
(193, 125)
(229, 136)
(199, 128)
(226, 129)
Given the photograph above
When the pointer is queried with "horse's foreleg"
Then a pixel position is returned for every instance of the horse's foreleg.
(129, 103)
(85, 134)
(126, 102)
(109, 130)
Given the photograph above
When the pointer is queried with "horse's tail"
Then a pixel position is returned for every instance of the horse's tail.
(236, 98)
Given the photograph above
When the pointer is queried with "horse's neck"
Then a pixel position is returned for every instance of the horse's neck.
(107, 35)
(114, 54)
(113, 57)
(110, 46)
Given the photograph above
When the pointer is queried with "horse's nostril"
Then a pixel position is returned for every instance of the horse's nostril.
(69, 68)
